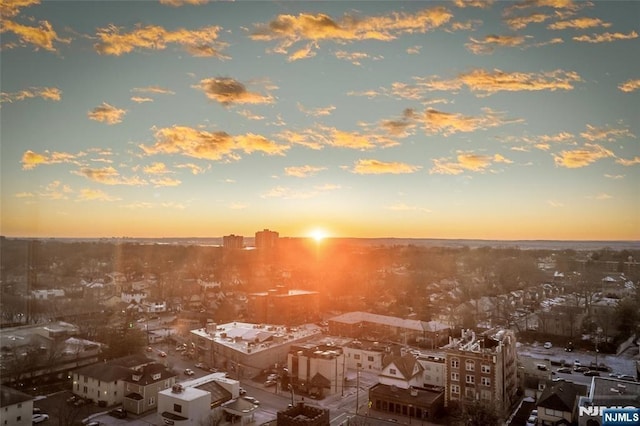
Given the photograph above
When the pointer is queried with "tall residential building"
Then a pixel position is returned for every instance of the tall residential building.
(233, 241)
(282, 306)
(482, 368)
(266, 239)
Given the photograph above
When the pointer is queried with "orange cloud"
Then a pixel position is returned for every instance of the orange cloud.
(355, 57)
(155, 37)
(178, 3)
(569, 5)
(10, 8)
(87, 194)
(375, 167)
(193, 168)
(630, 86)
(42, 37)
(31, 160)
(108, 176)
(228, 91)
(211, 146)
(521, 22)
(317, 112)
(582, 157)
(106, 113)
(579, 23)
(625, 162)
(139, 99)
(156, 90)
(303, 171)
(489, 43)
(482, 4)
(165, 181)
(434, 121)
(594, 133)
(606, 37)
(288, 30)
(466, 162)
(156, 169)
(47, 93)
(487, 82)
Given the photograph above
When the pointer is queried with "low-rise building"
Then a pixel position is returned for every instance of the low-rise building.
(290, 307)
(403, 372)
(606, 392)
(434, 367)
(366, 355)
(245, 349)
(16, 407)
(303, 415)
(199, 400)
(557, 403)
(142, 386)
(316, 370)
(105, 382)
(415, 403)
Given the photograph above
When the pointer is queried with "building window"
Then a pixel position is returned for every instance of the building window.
(485, 394)
(455, 363)
(471, 379)
(84, 390)
(486, 368)
(152, 400)
(455, 389)
(356, 356)
(392, 371)
(177, 408)
(469, 393)
(86, 379)
(485, 381)
(19, 418)
(470, 365)
(369, 358)
(455, 377)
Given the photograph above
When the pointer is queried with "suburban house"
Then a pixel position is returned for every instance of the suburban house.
(104, 382)
(16, 407)
(558, 403)
(403, 372)
(142, 386)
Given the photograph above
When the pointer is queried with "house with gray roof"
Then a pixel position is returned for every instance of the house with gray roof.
(16, 407)
(558, 402)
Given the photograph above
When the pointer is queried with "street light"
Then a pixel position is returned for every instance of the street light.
(292, 395)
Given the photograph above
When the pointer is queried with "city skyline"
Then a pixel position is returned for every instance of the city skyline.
(455, 120)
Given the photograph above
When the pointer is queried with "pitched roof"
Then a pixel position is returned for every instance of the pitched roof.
(405, 364)
(105, 372)
(561, 395)
(148, 372)
(10, 396)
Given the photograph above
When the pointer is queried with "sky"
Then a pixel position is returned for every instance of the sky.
(424, 119)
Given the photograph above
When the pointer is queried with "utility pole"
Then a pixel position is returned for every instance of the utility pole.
(357, 389)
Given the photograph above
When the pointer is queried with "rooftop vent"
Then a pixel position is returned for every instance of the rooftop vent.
(177, 388)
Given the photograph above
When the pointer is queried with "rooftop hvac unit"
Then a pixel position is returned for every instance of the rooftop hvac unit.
(177, 388)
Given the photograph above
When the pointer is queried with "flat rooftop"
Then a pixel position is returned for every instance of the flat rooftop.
(251, 338)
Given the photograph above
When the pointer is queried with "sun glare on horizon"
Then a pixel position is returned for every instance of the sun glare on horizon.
(318, 234)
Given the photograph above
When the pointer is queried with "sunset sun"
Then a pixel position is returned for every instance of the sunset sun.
(318, 234)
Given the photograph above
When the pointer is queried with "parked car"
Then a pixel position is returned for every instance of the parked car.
(39, 418)
(149, 349)
(93, 423)
(201, 365)
(591, 373)
(627, 377)
(272, 376)
(251, 400)
(242, 391)
(270, 383)
(548, 345)
(532, 421)
(189, 372)
(163, 354)
(565, 370)
(118, 413)
(580, 369)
